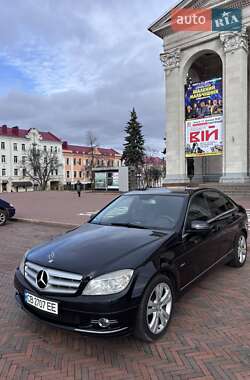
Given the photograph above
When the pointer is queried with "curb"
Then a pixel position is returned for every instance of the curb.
(45, 222)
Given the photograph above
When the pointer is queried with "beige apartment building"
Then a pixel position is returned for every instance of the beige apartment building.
(77, 162)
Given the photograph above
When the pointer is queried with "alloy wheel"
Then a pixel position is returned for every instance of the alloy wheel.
(242, 249)
(159, 308)
(2, 218)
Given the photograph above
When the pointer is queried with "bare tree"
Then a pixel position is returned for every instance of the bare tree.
(92, 143)
(39, 166)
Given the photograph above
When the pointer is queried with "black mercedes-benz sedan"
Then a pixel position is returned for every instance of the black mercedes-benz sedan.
(121, 271)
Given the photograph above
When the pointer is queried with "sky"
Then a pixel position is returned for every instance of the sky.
(73, 66)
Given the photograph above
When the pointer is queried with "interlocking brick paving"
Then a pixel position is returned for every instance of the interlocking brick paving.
(208, 338)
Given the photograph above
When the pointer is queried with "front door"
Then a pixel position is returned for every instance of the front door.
(198, 251)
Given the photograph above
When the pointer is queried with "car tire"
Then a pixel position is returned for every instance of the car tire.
(240, 252)
(3, 217)
(155, 310)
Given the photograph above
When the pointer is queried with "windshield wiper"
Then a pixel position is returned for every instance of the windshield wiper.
(129, 225)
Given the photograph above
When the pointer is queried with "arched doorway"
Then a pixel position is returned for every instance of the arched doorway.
(204, 70)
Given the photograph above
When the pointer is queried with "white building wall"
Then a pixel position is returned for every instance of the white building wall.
(10, 166)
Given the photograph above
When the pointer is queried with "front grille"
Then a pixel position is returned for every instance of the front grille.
(57, 281)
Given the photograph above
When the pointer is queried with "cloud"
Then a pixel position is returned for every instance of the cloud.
(88, 63)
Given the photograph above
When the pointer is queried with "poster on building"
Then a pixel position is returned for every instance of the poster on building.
(204, 118)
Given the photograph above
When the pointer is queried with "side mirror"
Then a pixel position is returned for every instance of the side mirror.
(199, 226)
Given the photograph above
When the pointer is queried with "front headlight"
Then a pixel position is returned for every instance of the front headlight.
(110, 283)
(22, 263)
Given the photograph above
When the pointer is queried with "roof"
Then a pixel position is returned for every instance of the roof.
(173, 190)
(153, 160)
(21, 133)
(79, 149)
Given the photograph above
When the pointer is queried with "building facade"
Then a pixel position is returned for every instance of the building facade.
(78, 162)
(15, 144)
(202, 56)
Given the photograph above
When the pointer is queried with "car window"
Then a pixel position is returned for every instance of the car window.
(218, 203)
(121, 210)
(198, 210)
(143, 210)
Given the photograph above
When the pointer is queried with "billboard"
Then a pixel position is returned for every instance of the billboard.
(204, 118)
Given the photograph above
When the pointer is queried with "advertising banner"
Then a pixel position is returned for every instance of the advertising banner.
(204, 118)
(204, 137)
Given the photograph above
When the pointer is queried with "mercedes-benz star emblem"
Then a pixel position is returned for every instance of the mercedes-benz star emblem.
(42, 279)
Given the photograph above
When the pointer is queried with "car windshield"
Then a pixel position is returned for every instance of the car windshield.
(142, 211)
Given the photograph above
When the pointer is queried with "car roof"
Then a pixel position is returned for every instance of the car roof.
(173, 190)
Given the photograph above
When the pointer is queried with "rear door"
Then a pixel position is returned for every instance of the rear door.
(225, 217)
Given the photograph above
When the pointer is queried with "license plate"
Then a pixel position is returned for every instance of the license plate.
(41, 303)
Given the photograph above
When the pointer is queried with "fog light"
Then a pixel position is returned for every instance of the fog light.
(104, 322)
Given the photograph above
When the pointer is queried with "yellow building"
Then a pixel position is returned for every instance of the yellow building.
(79, 161)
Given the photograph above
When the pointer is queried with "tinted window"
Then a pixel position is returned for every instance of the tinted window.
(150, 211)
(198, 209)
(217, 203)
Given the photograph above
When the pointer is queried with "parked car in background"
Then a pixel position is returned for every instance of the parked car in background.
(121, 272)
(7, 211)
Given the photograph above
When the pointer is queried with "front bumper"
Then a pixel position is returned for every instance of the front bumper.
(11, 212)
(77, 314)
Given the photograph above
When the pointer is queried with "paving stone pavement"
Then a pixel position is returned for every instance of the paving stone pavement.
(208, 338)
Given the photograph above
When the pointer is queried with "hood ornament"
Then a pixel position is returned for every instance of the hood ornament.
(51, 257)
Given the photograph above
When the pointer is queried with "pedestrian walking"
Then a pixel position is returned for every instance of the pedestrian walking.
(78, 188)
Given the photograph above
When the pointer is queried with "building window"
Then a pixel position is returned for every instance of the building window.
(51, 149)
(3, 159)
(56, 172)
(80, 174)
(74, 174)
(2, 145)
(23, 159)
(15, 146)
(87, 162)
(79, 161)
(67, 174)
(15, 172)
(15, 159)
(24, 172)
(102, 163)
(3, 172)
(45, 148)
(67, 161)
(74, 161)
(55, 149)
(23, 147)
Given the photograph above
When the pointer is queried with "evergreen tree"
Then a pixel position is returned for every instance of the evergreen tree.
(134, 151)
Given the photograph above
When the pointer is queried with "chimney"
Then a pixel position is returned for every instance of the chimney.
(65, 145)
(15, 131)
(4, 129)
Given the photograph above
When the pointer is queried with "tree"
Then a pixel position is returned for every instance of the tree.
(134, 151)
(39, 166)
(92, 142)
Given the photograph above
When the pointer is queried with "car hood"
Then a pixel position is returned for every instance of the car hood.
(93, 249)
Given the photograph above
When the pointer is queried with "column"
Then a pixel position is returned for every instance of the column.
(175, 145)
(235, 163)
